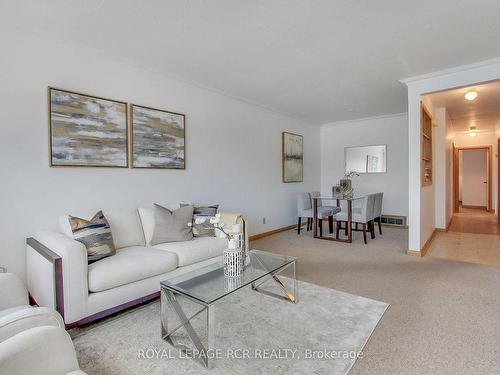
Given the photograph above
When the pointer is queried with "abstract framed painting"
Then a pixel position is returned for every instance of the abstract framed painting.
(292, 146)
(158, 138)
(87, 131)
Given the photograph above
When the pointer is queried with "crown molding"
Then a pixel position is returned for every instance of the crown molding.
(364, 119)
(495, 62)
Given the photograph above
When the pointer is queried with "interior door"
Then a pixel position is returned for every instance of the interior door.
(475, 178)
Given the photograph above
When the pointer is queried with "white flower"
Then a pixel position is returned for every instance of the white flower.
(215, 220)
(190, 224)
(200, 220)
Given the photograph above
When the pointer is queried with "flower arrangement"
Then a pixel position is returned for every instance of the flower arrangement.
(349, 175)
(216, 223)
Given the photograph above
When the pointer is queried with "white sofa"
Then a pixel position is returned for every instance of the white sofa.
(60, 277)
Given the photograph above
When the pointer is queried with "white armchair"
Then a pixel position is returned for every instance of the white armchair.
(44, 350)
(16, 315)
(32, 339)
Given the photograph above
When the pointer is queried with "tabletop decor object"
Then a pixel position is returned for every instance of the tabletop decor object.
(236, 234)
(233, 259)
(346, 183)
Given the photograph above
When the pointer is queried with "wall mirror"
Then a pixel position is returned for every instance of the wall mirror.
(366, 159)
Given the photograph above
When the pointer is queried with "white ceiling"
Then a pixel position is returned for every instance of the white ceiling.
(483, 112)
(325, 60)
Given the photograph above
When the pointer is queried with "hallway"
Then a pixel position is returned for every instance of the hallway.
(474, 220)
(473, 237)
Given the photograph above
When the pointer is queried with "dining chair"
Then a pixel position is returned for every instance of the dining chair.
(304, 210)
(362, 215)
(335, 209)
(377, 211)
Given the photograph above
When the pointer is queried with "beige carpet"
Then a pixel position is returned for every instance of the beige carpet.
(324, 319)
(444, 316)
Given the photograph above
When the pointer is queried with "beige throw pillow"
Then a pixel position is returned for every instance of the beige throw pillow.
(172, 226)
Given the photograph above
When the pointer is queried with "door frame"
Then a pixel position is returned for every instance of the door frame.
(456, 168)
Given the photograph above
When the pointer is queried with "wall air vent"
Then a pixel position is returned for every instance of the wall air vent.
(394, 220)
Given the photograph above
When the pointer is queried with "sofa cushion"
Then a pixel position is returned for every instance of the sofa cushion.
(147, 216)
(125, 226)
(128, 265)
(194, 251)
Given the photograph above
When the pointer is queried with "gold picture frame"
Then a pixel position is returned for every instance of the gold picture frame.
(87, 130)
(158, 138)
(292, 157)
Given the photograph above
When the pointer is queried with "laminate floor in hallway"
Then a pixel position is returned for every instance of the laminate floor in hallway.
(473, 237)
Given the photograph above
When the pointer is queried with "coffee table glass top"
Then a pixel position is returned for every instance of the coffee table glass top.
(208, 284)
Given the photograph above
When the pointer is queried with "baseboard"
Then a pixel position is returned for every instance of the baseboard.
(395, 226)
(271, 232)
(414, 253)
(476, 207)
(424, 249)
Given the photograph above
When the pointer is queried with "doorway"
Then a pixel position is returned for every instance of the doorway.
(472, 178)
(472, 186)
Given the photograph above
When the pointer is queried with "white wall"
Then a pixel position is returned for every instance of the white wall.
(389, 130)
(474, 173)
(439, 157)
(450, 205)
(443, 169)
(233, 148)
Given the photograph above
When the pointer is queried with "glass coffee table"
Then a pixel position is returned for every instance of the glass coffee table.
(187, 296)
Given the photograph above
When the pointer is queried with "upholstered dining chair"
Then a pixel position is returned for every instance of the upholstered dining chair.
(304, 210)
(377, 212)
(321, 204)
(360, 215)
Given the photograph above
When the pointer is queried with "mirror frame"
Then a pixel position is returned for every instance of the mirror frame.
(380, 144)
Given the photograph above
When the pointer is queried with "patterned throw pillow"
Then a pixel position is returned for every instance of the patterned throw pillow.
(202, 210)
(95, 234)
(202, 225)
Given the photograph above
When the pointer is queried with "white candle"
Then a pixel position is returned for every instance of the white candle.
(236, 228)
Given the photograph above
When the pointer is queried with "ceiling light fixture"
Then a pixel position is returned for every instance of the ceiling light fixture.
(472, 131)
(471, 95)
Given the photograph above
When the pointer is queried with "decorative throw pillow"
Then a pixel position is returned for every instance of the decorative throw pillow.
(203, 226)
(172, 226)
(203, 210)
(95, 234)
(202, 220)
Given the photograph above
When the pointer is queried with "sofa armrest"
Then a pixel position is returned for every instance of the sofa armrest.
(26, 318)
(41, 350)
(12, 291)
(57, 273)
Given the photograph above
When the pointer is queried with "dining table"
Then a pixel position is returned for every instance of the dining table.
(349, 199)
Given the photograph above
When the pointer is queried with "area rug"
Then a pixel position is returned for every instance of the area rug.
(324, 333)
